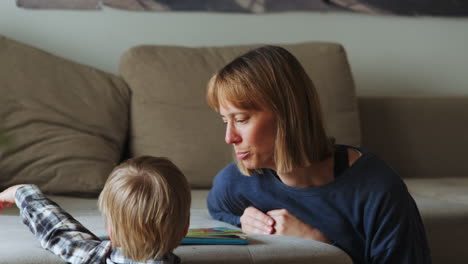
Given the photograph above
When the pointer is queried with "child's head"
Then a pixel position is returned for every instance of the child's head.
(146, 206)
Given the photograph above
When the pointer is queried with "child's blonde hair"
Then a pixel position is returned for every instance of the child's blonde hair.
(146, 204)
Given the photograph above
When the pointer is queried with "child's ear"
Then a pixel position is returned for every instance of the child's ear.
(186, 228)
(109, 231)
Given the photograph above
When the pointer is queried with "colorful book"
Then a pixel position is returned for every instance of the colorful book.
(210, 236)
(214, 236)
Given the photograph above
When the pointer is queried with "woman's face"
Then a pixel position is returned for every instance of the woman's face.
(252, 134)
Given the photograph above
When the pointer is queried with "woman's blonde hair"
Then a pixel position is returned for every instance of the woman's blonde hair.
(146, 204)
(270, 77)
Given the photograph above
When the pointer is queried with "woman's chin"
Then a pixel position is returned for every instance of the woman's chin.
(251, 165)
(248, 164)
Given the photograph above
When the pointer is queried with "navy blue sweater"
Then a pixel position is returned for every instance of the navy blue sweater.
(366, 211)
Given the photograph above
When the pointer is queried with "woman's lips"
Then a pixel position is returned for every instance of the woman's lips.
(242, 155)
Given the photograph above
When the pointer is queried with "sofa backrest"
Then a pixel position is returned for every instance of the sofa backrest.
(68, 121)
(169, 115)
(419, 136)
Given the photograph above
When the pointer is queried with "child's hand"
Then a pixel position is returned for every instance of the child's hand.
(7, 197)
(3, 205)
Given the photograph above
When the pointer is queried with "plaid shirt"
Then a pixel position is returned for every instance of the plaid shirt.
(60, 233)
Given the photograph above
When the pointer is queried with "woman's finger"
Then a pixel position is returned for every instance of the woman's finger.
(255, 226)
(259, 216)
(255, 221)
(277, 212)
(251, 229)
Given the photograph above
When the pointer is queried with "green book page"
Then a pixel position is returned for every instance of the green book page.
(213, 231)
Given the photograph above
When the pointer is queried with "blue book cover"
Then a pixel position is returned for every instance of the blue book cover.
(214, 236)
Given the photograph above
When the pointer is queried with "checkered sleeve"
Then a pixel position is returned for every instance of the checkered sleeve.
(57, 231)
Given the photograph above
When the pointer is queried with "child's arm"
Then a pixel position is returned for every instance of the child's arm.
(56, 230)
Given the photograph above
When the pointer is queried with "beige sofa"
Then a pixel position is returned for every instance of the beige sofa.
(72, 123)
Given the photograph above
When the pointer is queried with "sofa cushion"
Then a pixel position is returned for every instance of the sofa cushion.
(453, 189)
(443, 204)
(18, 245)
(446, 224)
(68, 121)
(169, 115)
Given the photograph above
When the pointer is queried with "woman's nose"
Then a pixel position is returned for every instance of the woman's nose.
(232, 137)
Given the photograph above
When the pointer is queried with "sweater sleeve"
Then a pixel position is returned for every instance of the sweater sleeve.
(224, 200)
(398, 234)
(57, 231)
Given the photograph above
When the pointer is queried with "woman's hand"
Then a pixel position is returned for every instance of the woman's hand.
(7, 197)
(288, 225)
(255, 221)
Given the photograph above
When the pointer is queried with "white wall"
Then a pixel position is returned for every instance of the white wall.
(389, 55)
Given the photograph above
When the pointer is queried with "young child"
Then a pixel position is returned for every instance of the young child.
(146, 208)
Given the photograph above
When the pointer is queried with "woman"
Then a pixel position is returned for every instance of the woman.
(291, 179)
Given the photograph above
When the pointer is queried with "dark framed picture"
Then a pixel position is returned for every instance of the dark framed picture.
(383, 7)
